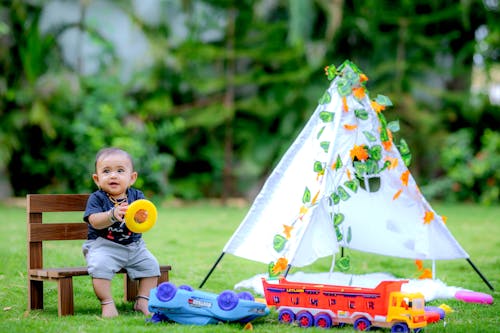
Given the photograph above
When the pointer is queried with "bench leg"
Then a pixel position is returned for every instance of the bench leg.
(65, 302)
(132, 287)
(35, 295)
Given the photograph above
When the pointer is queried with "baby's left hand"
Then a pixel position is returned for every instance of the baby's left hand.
(120, 210)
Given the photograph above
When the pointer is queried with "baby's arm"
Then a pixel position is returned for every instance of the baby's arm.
(106, 219)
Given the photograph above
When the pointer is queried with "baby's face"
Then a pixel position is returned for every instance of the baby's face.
(114, 174)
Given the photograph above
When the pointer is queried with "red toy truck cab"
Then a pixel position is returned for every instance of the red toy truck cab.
(328, 305)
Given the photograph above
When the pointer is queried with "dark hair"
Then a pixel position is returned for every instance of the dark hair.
(110, 151)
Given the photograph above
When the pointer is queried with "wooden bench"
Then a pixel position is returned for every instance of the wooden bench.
(38, 232)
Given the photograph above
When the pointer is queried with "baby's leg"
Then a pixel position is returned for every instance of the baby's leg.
(102, 289)
(145, 286)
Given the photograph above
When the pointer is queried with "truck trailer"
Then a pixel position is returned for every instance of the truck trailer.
(323, 305)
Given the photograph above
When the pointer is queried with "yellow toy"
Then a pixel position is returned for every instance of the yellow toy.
(140, 216)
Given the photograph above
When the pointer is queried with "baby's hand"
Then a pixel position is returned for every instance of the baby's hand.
(120, 210)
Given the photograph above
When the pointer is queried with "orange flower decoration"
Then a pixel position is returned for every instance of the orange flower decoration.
(394, 162)
(280, 265)
(359, 152)
(344, 104)
(350, 127)
(286, 230)
(377, 107)
(426, 274)
(445, 219)
(313, 201)
(404, 177)
(387, 145)
(363, 78)
(359, 92)
(429, 216)
(398, 193)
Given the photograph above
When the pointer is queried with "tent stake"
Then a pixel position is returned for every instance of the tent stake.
(480, 274)
(212, 269)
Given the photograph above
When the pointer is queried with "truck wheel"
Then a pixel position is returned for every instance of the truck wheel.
(305, 319)
(227, 300)
(362, 324)
(400, 327)
(323, 320)
(166, 291)
(286, 316)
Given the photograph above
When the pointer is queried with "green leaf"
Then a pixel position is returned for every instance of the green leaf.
(325, 99)
(338, 163)
(320, 132)
(318, 166)
(343, 195)
(352, 185)
(375, 152)
(325, 145)
(338, 233)
(279, 242)
(326, 116)
(343, 264)
(361, 114)
(369, 136)
(338, 218)
(306, 197)
(344, 87)
(383, 100)
(393, 126)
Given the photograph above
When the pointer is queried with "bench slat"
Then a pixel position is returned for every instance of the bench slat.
(62, 272)
(40, 203)
(57, 231)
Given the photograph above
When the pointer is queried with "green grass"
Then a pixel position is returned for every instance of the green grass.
(190, 238)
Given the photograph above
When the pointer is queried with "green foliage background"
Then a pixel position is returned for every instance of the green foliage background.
(212, 118)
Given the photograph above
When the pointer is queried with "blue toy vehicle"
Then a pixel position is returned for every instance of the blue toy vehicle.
(194, 307)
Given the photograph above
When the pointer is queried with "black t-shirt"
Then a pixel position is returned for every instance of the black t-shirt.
(118, 232)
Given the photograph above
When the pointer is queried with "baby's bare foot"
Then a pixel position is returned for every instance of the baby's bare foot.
(109, 309)
(141, 304)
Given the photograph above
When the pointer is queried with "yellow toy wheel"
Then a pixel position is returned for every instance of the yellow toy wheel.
(140, 216)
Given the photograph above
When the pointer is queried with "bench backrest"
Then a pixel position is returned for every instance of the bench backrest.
(38, 231)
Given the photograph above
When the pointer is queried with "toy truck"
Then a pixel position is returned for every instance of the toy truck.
(325, 306)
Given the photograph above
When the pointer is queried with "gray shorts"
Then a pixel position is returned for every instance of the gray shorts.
(105, 258)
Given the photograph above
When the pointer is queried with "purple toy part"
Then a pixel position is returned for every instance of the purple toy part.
(437, 309)
(305, 319)
(286, 316)
(246, 295)
(474, 297)
(323, 320)
(227, 300)
(166, 291)
(186, 287)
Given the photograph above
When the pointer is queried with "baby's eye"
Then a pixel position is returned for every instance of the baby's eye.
(106, 171)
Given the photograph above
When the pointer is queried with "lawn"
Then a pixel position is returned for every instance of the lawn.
(190, 238)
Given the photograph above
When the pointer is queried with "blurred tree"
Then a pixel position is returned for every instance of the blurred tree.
(227, 85)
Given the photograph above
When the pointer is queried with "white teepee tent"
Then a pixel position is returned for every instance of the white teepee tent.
(342, 183)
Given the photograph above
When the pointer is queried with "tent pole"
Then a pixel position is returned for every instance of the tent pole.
(287, 270)
(433, 269)
(212, 269)
(480, 274)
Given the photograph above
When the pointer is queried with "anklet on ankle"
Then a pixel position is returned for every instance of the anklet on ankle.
(107, 302)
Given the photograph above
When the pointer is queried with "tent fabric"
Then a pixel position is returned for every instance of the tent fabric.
(343, 183)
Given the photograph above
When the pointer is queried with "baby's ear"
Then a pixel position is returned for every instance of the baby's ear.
(95, 177)
(133, 178)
